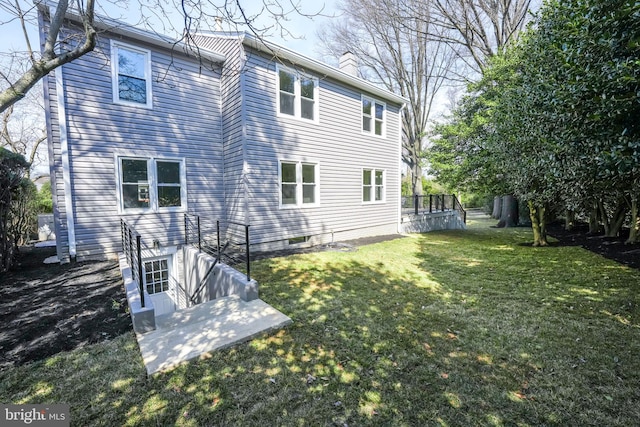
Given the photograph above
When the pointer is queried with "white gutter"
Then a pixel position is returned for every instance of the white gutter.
(308, 63)
(400, 167)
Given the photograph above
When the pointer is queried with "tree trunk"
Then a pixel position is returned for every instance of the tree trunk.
(594, 226)
(497, 207)
(569, 219)
(613, 224)
(634, 227)
(509, 212)
(416, 179)
(538, 224)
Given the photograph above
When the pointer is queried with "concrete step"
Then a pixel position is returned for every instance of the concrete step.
(198, 330)
(201, 312)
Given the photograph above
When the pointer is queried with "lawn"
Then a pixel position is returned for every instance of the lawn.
(454, 328)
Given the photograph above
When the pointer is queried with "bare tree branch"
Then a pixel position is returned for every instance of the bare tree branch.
(481, 28)
(394, 43)
(49, 59)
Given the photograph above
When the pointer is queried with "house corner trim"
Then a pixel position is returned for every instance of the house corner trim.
(66, 169)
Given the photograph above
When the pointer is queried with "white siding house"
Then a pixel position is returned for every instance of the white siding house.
(240, 131)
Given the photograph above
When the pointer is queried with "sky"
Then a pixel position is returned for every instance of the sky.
(303, 37)
(302, 28)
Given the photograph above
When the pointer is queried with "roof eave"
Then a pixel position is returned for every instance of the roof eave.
(120, 28)
(327, 70)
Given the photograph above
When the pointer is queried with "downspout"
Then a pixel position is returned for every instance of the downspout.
(66, 168)
(399, 189)
(52, 163)
(243, 115)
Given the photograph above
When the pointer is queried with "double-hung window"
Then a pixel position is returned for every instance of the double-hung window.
(297, 95)
(372, 185)
(298, 184)
(151, 184)
(131, 69)
(373, 116)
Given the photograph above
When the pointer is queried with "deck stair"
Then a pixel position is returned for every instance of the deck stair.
(204, 328)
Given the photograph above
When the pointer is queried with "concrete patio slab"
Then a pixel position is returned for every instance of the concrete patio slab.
(210, 326)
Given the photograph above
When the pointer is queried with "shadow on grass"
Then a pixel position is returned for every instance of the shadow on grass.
(560, 324)
(441, 329)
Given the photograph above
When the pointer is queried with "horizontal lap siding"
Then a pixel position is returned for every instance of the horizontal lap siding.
(336, 143)
(55, 168)
(233, 132)
(183, 123)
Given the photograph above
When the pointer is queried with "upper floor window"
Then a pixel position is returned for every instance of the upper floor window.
(151, 184)
(131, 68)
(372, 185)
(298, 184)
(372, 116)
(297, 95)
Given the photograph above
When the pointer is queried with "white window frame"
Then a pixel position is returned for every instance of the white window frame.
(144, 273)
(297, 98)
(152, 180)
(299, 184)
(373, 102)
(373, 186)
(115, 46)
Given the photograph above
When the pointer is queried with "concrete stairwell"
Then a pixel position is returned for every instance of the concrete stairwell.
(213, 325)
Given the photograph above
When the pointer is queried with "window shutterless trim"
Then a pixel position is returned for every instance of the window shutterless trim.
(297, 95)
(372, 117)
(152, 181)
(115, 46)
(299, 184)
(373, 186)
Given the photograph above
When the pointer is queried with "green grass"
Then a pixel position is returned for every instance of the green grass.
(453, 328)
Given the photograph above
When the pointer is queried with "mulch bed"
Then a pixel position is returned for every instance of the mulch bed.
(46, 309)
(49, 308)
(609, 247)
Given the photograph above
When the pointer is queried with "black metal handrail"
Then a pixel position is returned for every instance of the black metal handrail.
(434, 203)
(193, 234)
(203, 282)
(246, 244)
(132, 248)
(458, 207)
(192, 226)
